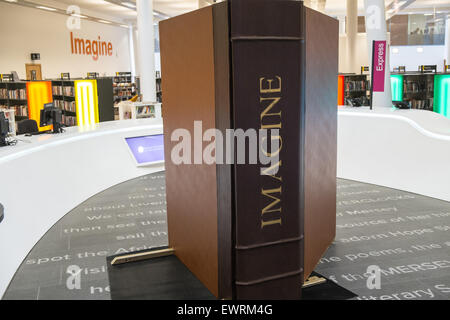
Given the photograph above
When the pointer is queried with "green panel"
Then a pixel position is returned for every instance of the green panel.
(397, 87)
(442, 94)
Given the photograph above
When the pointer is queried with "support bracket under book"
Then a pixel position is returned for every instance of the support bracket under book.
(141, 256)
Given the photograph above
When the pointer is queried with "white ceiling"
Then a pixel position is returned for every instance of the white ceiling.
(104, 9)
(338, 7)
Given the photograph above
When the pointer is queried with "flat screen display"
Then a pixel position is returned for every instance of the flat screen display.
(147, 149)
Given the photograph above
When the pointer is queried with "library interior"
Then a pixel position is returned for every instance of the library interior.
(224, 150)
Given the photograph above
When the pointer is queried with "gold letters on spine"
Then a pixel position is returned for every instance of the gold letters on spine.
(272, 183)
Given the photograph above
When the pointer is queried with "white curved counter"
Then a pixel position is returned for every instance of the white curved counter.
(401, 149)
(49, 175)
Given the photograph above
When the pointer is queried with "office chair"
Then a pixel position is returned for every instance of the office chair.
(27, 126)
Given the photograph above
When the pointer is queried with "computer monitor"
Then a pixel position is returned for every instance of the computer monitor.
(51, 116)
(147, 150)
(4, 129)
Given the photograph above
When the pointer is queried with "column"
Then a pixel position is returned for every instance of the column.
(376, 29)
(352, 34)
(447, 41)
(131, 49)
(321, 5)
(146, 49)
(341, 25)
(203, 3)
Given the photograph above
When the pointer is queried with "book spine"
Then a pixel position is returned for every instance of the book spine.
(267, 47)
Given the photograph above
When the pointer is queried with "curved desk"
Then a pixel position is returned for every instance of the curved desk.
(45, 177)
(401, 149)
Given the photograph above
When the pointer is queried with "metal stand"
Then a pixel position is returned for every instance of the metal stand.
(140, 256)
(313, 281)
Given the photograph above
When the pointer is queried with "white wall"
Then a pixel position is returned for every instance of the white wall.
(25, 30)
(409, 56)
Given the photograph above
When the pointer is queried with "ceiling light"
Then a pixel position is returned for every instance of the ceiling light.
(78, 15)
(428, 14)
(124, 26)
(46, 8)
(129, 5)
(104, 21)
(420, 50)
(11, 0)
(394, 50)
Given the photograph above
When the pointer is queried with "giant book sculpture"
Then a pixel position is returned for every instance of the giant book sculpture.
(252, 231)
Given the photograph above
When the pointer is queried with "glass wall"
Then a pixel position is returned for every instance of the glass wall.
(414, 29)
(417, 29)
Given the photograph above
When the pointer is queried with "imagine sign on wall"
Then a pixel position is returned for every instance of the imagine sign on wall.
(94, 48)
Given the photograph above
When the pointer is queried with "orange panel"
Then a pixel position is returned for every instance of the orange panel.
(39, 93)
(340, 90)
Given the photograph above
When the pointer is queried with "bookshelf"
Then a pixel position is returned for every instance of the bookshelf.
(158, 87)
(416, 89)
(352, 86)
(64, 99)
(123, 86)
(13, 95)
(77, 98)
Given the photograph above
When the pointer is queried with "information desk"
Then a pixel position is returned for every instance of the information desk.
(401, 149)
(47, 176)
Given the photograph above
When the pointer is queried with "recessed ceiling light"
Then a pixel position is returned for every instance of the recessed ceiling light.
(395, 50)
(129, 5)
(11, 0)
(420, 50)
(104, 21)
(46, 8)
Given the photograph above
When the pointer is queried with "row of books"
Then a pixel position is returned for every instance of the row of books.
(158, 86)
(63, 91)
(352, 86)
(126, 85)
(124, 93)
(145, 112)
(124, 79)
(21, 111)
(17, 94)
(418, 86)
(65, 105)
(69, 121)
(425, 104)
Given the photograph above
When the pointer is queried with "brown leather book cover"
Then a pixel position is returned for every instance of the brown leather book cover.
(195, 82)
(248, 64)
(267, 46)
(321, 68)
